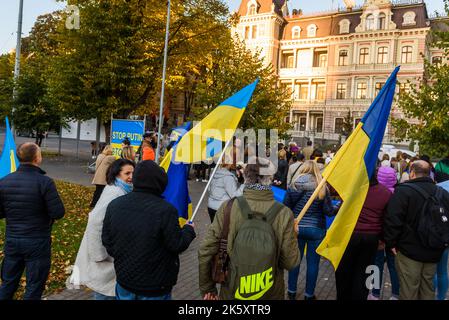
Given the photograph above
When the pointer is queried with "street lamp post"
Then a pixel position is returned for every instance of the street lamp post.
(17, 65)
(164, 71)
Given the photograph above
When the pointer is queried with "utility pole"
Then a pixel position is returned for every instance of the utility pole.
(164, 71)
(17, 65)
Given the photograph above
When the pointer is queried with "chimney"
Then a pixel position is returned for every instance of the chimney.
(294, 12)
(349, 4)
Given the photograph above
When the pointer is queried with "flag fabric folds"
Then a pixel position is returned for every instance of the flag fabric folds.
(177, 191)
(8, 160)
(350, 171)
(205, 139)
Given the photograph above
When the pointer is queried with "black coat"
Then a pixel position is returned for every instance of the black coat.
(401, 218)
(30, 203)
(142, 233)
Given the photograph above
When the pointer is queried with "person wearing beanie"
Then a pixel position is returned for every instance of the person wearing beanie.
(141, 232)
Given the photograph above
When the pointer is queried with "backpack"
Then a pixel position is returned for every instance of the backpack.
(432, 223)
(254, 256)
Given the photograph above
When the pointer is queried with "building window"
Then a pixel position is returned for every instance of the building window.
(382, 55)
(404, 87)
(311, 31)
(323, 61)
(407, 53)
(247, 30)
(379, 86)
(382, 21)
(344, 26)
(338, 126)
(409, 19)
(296, 32)
(262, 30)
(320, 59)
(361, 90)
(343, 58)
(288, 60)
(320, 91)
(319, 124)
(252, 9)
(303, 91)
(287, 88)
(341, 91)
(254, 32)
(302, 123)
(370, 22)
(437, 60)
(364, 56)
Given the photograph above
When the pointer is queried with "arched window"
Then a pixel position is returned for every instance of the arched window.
(409, 19)
(370, 22)
(382, 21)
(344, 26)
(296, 32)
(252, 9)
(311, 30)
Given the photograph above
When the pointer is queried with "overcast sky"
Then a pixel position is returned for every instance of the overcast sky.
(33, 8)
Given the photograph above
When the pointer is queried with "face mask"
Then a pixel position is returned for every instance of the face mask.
(127, 187)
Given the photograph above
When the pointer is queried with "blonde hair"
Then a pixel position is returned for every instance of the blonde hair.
(107, 151)
(311, 167)
(282, 154)
(128, 153)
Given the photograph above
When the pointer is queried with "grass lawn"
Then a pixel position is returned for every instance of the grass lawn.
(66, 236)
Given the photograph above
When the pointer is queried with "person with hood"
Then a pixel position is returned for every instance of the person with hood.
(386, 176)
(94, 267)
(312, 227)
(223, 187)
(141, 233)
(360, 252)
(259, 198)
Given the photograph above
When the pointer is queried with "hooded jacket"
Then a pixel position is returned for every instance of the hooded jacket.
(283, 226)
(141, 232)
(224, 186)
(442, 170)
(387, 177)
(296, 200)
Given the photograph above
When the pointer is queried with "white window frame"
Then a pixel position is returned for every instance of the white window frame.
(311, 30)
(296, 30)
(345, 26)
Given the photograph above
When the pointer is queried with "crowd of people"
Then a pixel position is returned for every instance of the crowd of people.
(132, 241)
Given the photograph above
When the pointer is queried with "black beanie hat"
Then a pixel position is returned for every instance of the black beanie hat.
(150, 177)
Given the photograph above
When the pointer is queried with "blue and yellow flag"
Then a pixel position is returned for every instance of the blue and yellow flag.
(350, 171)
(8, 160)
(205, 140)
(177, 191)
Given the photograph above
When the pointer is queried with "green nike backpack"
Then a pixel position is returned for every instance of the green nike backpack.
(254, 256)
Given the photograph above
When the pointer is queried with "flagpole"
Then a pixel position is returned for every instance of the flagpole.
(310, 201)
(17, 65)
(210, 179)
(164, 71)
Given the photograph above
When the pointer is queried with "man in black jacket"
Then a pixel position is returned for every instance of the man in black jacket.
(30, 203)
(415, 263)
(141, 232)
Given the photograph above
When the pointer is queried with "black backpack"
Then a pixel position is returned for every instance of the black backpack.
(432, 223)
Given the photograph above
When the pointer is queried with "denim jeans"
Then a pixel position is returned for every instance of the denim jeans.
(311, 237)
(381, 256)
(123, 294)
(99, 296)
(440, 280)
(32, 255)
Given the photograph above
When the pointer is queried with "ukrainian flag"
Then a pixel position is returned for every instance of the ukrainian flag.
(177, 191)
(350, 171)
(205, 140)
(8, 160)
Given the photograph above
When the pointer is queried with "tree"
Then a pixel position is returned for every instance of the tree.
(428, 104)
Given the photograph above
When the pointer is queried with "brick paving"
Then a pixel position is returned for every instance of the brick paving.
(187, 286)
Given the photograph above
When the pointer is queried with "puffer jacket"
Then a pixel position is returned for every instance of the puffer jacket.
(387, 177)
(224, 186)
(283, 226)
(30, 203)
(296, 200)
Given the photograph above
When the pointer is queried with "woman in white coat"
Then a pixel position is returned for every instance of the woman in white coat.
(94, 268)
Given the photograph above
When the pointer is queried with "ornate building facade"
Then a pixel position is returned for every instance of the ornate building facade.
(334, 63)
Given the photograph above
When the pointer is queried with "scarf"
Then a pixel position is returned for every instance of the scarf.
(257, 186)
(123, 185)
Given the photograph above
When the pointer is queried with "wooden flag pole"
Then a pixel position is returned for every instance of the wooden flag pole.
(309, 202)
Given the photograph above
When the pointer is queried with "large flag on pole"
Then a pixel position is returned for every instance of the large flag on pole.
(8, 160)
(205, 140)
(177, 190)
(350, 171)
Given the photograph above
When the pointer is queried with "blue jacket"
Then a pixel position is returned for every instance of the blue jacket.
(30, 203)
(297, 199)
